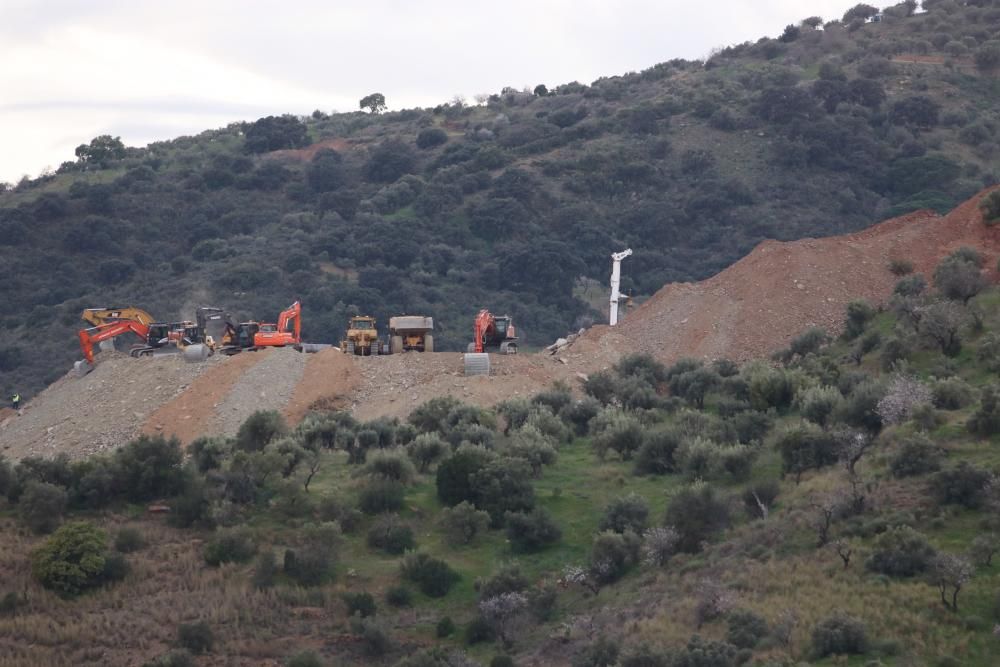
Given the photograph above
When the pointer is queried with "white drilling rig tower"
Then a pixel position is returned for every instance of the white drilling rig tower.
(616, 279)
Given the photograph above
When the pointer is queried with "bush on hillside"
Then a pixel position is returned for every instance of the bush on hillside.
(625, 513)
(963, 485)
(229, 545)
(195, 637)
(433, 576)
(901, 552)
(259, 429)
(916, 456)
(391, 535)
(839, 635)
(531, 531)
(697, 513)
(463, 522)
(72, 559)
(41, 506)
(613, 554)
(381, 495)
(656, 454)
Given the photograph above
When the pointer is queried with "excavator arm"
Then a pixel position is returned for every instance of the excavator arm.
(91, 337)
(99, 316)
(290, 320)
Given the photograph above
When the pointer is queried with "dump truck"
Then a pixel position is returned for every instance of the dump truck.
(411, 332)
(362, 337)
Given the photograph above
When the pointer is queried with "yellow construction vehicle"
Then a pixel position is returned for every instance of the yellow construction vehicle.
(362, 337)
(98, 316)
(411, 332)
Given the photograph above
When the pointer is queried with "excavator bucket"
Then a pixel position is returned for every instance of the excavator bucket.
(81, 368)
(477, 363)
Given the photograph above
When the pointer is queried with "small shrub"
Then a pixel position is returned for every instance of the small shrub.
(619, 432)
(195, 637)
(601, 653)
(746, 629)
(259, 429)
(360, 604)
(626, 513)
(229, 546)
(901, 267)
(696, 513)
(479, 630)
(444, 628)
(390, 465)
(911, 286)
(305, 659)
(839, 635)
(41, 506)
(809, 341)
(917, 456)
(963, 485)
(818, 404)
(391, 535)
(532, 531)
(985, 421)
(433, 576)
(375, 640)
(859, 314)
(990, 206)
(613, 554)
(425, 449)
(901, 552)
(806, 447)
(265, 570)
(951, 394)
(381, 495)
(463, 522)
(656, 454)
(399, 596)
(129, 539)
(71, 560)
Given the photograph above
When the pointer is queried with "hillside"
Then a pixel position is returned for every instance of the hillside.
(508, 204)
(749, 310)
(838, 507)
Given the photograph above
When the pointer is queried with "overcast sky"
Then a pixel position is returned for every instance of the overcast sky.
(151, 70)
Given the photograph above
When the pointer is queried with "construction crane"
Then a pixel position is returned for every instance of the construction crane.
(616, 279)
(493, 331)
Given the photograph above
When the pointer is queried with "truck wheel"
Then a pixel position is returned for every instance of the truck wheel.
(428, 343)
(396, 345)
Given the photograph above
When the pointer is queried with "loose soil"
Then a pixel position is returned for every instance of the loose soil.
(190, 414)
(328, 381)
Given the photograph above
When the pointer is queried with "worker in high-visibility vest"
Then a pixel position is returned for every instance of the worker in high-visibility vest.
(15, 400)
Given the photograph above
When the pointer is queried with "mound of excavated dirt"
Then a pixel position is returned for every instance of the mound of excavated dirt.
(751, 309)
(761, 302)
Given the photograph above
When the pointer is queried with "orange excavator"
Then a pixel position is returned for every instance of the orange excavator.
(288, 330)
(493, 331)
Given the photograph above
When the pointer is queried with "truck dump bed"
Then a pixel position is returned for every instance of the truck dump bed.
(414, 323)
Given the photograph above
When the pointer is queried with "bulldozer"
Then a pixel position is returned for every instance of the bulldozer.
(411, 332)
(362, 337)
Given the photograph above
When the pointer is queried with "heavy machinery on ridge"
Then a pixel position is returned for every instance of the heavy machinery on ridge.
(362, 338)
(288, 330)
(98, 316)
(493, 332)
(411, 332)
(186, 338)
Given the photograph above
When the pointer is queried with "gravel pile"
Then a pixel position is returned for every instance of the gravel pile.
(267, 385)
(100, 411)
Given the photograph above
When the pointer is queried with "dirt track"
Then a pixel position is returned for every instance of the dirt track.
(750, 309)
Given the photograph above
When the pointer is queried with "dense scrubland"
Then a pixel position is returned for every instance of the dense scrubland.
(513, 201)
(837, 502)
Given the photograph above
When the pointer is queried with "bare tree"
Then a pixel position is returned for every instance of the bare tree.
(827, 507)
(314, 462)
(843, 549)
(950, 572)
(502, 612)
(659, 545)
